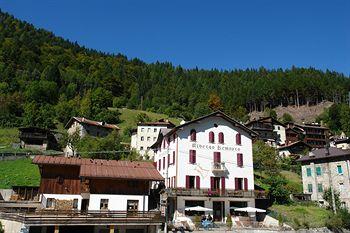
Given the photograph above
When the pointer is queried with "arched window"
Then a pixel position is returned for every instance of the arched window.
(211, 137)
(221, 137)
(238, 139)
(193, 135)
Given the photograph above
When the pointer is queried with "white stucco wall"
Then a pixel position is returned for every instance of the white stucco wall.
(118, 202)
(204, 156)
(281, 134)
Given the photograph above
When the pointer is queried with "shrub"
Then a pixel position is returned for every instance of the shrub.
(1, 229)
(229, 222)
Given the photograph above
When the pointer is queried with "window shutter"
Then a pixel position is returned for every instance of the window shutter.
(239, 160)
(187, 182)
(221, 137)
(163, 162)
(212, 183)
(246, 184)
(217, 157)
(194, 156)
(238, 139)
(198, 182)
(193, 135)
(190, 156)
(236, 184)
(168, 160)
(173, 157)
(159, 164)
(174, 181)
(211, 137)
(223, 184)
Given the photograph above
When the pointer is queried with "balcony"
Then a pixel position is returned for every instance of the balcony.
(218, 167)
(257, 194)
(76, 217)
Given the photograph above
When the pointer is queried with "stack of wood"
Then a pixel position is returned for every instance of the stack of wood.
(64, 204)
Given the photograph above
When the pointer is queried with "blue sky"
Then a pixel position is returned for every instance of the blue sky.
(207, 34)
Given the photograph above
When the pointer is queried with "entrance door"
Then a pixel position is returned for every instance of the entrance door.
(218, 210)
(84, 204)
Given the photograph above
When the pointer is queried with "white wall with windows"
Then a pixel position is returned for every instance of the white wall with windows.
(205, 161)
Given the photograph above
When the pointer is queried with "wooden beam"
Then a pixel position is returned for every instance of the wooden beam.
(111, 228)
(57, 229)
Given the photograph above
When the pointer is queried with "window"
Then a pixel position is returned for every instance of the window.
(221, 137)
(50, 202)
(169, 160)
(163, 162)
(339, 170)
(141, 147)
(173, 157)
(148, 130)
(142, 138)
(190, 182)
(318, 171)
(278, 127)
(155, 130)
(104, 204)
(341, 187)
(132, 205)
(75, 203)
(309, 188)
(238, 183)
(148, 139)
(217, 157)
(192, 158)
(142, 129)
(239, 159)
(238, 139)
(211, 137)
(159, 164)
(308, 172)
(319, 188)
(215, 183)
(193, 135)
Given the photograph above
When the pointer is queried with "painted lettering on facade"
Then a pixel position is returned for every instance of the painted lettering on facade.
(215, 147)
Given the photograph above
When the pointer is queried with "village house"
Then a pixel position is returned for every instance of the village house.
(312, 134)
(207, 162)
(294, 149)
(324, 168)
(269, 129)
(38, 138)
(342, 141)
(87, 195)
(85, 127)
(146, 135)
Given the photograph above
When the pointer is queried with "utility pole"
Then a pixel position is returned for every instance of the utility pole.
(330, 179)
(166, 190)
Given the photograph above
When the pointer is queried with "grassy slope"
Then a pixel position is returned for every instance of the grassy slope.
(18, 172)
(128, 117)
(8, 136)
(313, 215)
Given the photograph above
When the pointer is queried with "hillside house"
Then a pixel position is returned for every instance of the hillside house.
(87, 127)
(38, 138)
(86, 195)
(207, 162)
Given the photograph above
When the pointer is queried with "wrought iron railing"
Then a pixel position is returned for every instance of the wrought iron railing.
(257, 194)
(216, 166)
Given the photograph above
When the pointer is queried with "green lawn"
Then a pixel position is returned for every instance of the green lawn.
(128, 117)
(309, 213)
(18, 172)
(8, 136)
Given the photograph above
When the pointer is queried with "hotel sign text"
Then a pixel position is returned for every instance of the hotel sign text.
(215, 147)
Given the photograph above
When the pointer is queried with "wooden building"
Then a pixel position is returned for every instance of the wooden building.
(38, 138)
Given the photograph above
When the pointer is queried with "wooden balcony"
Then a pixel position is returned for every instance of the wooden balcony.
(257, 194)
(53, 217)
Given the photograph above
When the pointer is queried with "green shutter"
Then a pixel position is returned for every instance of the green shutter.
(318, 171)
(309, 188)
(308, 171)
(319, 188)
(340, 169)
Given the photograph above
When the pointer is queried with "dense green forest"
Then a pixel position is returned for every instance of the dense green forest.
(45, 79)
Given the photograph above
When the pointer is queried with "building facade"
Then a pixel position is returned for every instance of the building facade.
(84, 127)
(324, 168)
(207, 162)
(270, 130)
(87, 195)
(146, 135)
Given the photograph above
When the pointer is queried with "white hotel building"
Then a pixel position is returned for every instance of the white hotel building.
(207, 162)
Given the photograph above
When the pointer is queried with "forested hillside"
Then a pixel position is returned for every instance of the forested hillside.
(45, 79)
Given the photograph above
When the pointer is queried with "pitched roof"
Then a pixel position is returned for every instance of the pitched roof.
(91, 122)
(100, 168)
(266, 119)
(160, 122)
(294, 144)
(322, 154)
(213, 114)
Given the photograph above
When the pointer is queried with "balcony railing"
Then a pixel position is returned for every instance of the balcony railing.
(257, 194)
(218, 167)
(53, 217)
